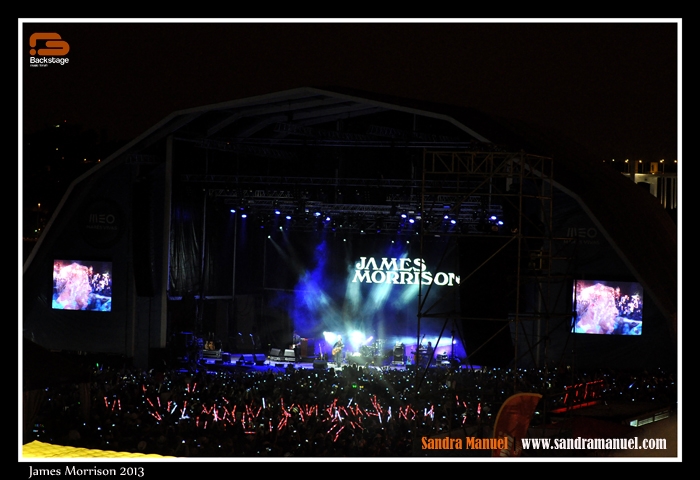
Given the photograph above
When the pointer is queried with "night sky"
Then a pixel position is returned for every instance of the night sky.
(610, 85)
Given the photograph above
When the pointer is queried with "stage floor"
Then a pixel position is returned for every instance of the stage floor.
(261, 362)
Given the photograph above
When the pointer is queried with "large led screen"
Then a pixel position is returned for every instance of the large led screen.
(82, 285)
(607, 307)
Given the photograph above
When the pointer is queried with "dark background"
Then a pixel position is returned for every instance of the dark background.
(610, 84)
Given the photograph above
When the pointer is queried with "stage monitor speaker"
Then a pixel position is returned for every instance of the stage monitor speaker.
(274, 352)
(320, 364)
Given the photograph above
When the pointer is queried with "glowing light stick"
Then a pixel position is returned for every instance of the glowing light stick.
(155, 415)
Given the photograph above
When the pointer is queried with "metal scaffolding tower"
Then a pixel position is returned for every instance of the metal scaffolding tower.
(510, 201)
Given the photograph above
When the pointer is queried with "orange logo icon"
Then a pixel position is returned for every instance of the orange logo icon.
(55, 47)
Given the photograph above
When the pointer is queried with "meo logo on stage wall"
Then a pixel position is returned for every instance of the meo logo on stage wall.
(53, 53)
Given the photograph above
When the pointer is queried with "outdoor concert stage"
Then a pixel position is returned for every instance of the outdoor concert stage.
(265, 363)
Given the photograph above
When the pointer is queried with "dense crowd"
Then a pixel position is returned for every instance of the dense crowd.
(350, 412)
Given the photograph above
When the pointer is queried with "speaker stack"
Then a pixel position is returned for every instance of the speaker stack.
(399, 354)
(320, 364)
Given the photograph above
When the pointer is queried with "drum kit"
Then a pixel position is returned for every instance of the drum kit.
(370, 353)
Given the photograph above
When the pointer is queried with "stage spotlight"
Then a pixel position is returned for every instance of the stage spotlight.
(233, 210)
(330, 337)
(288, 217)
(357, 338)
(244, 215)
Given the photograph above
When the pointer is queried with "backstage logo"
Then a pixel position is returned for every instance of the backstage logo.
(400, 271)
(47, 48)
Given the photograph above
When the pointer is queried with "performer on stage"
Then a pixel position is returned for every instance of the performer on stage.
(296, 343)
(338, 350)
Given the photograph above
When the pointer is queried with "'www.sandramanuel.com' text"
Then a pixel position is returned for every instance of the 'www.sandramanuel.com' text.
(593, 443)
